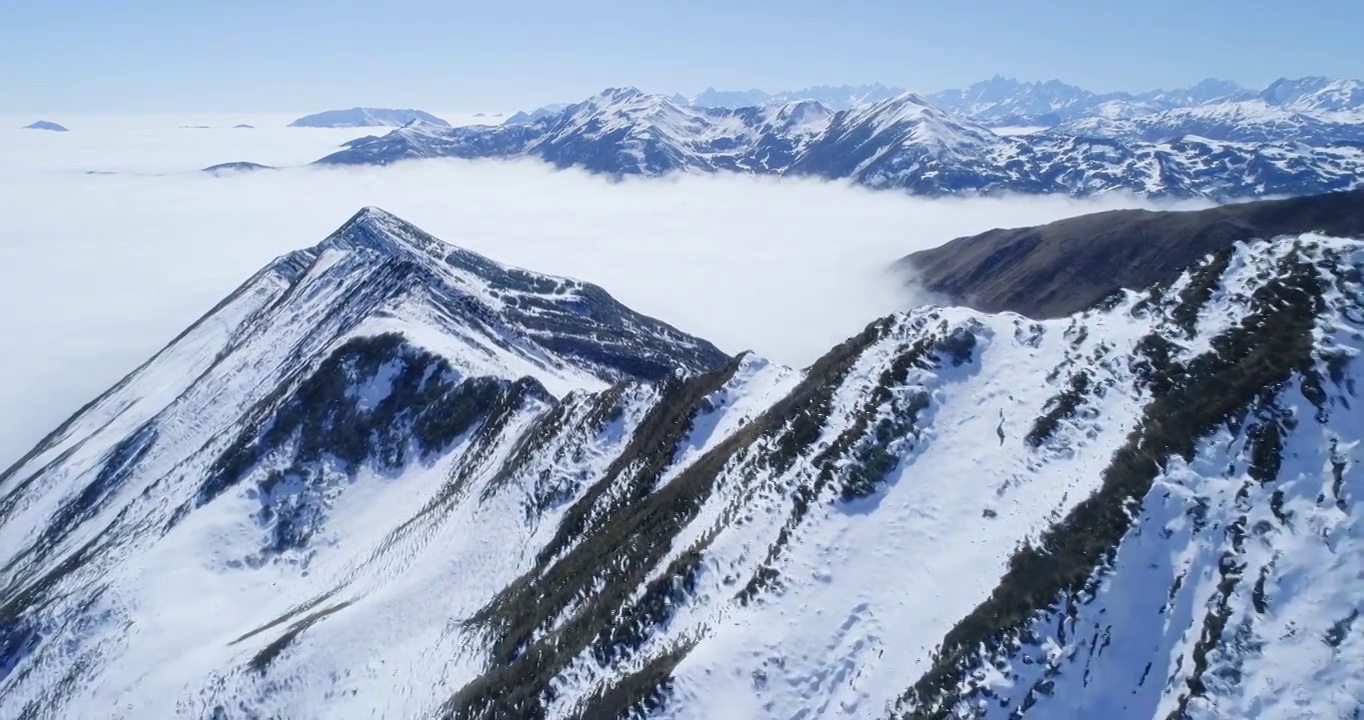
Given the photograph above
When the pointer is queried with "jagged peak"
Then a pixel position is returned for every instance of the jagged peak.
(379, 230)
(371, 214)
(803, 111)
(913, 107)
(621, 93)
(374, 229)
(908, 100)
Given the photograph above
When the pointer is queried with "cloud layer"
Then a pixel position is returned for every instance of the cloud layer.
(99, 271)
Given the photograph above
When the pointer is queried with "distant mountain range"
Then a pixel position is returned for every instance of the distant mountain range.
(836, 97)
(1002, 101)
(366, 117)
(1227, 148)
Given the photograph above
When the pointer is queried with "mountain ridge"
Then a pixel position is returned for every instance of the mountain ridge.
(897, 143)
(1064, 267)
(367, 483)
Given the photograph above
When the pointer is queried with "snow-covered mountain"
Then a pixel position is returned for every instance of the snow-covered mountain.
(1312, 110)
(1006, 101)
(836, 97)
(366, 117)
(619, 131)
(905, 142)
(710, 97)
(522, 117)
(1316, 94)
(1252, 121)
(390, 478)
(1208, 90)
(1002, 101)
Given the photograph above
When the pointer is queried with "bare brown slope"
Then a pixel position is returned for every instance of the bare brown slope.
(1063, 267)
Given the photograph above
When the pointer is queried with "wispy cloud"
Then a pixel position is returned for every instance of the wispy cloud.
(99, 271)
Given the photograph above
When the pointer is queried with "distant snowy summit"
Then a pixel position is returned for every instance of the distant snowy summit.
(366, 117)
(45, 125)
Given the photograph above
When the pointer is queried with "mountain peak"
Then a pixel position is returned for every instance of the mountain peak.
(577, 323)
(373, 215)
(379, 230)
(369, 218)
(622, 93)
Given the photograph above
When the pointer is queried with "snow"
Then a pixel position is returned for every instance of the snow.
(1018, 129)
(383, 601)
(906, 142)
(839, 638)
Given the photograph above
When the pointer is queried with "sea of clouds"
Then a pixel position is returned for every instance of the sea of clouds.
(112, 242)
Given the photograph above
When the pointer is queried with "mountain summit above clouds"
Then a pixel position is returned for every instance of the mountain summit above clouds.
(907, 142)
(388, 477)
(45, 125)
(1007, 102)
(837, 97)
(366, 117)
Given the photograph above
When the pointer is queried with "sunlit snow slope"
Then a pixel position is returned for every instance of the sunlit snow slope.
(390, 478)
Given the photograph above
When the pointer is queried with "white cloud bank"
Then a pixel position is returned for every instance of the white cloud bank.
(97, 272)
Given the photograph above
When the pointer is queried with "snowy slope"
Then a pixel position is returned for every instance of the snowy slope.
(387, 477)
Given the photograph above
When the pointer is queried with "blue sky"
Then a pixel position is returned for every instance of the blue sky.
(251, 55)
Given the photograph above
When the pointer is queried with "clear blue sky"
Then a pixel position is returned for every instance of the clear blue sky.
(252, 55)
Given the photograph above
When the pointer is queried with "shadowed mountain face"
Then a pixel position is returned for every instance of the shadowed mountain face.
(388, 477)
(1064, 267)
